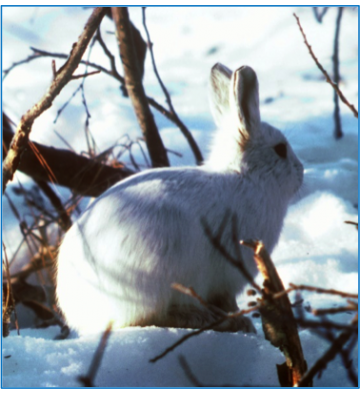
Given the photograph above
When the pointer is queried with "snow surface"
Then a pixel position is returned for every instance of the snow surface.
(316, 247)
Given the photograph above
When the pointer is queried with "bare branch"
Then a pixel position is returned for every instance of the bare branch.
(352, 223)
(135, 88)
(319, 14)
(338, 133)
(322, 362)
(336, 310)
(65, 220)
(63, 76)
(323, 290)
(186, 337)
(76, 77)
(88, 380)
(327, 77)
(84, 176)
(192, 143)
(112, 73)
(8, 305)
(278, 319)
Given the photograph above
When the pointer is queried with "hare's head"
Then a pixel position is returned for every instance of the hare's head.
(244, 143)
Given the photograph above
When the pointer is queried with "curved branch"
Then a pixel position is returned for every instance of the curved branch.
(84, 176)
(321, 68)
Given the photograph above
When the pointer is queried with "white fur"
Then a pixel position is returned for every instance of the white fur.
(118, 261)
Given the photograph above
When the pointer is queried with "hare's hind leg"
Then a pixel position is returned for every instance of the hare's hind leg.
(186, 316)
(196, 317)
(227, 304)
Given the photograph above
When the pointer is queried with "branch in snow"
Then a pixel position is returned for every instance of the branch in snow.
(330, 354)
(277, 317)
(88, 380)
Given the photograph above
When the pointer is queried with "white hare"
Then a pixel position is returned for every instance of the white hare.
(118, 261)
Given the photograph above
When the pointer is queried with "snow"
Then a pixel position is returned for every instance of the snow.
(316, 247)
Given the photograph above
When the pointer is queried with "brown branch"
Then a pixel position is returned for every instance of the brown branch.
(65, 220)
(352, 223)
(327, 77)
(323, 290)
(335, 310)
(63, 76)
(191, 292)
(76, 77)
(84, 176)
(8, 302)
(135, 89)
(277, 316)
(112, 73)
(322, 362)
(192, 143)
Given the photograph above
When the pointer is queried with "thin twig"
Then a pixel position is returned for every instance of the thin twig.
(88, 177)
(27, 60)
(323, 290)
(227, 316)
(192, 143)
(338, 133)
(329, 355)
(239, 264)
(352, 223)
(9, 299)
(189, 374)
(336, 310)
(88, 380)
(327, 77)
(111, 57)
(63, 76)
(112, 73)
(65, 220)
(186, 337)
(76, 77)
(191, 292)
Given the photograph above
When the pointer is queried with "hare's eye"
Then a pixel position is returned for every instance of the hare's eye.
(281, 150)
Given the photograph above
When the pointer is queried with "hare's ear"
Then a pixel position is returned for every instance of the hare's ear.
(244, 100)
(219, 91)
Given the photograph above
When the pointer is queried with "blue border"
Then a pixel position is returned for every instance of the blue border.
(1, 35)
(127, 5)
